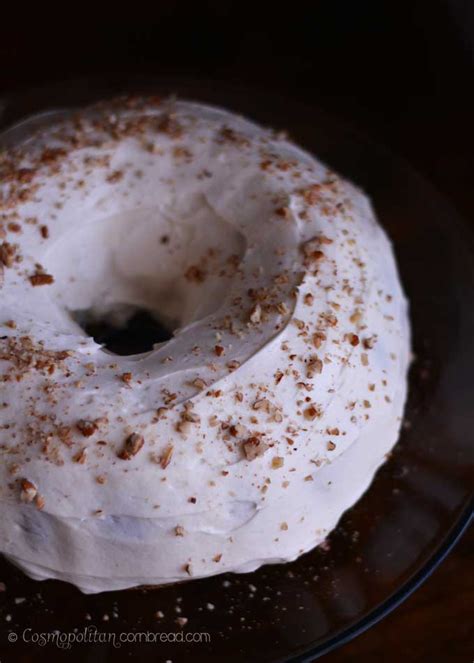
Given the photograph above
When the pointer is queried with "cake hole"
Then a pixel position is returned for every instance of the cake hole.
(127, 279)
(135, 334)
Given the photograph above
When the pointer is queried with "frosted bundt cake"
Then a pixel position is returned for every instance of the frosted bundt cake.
(241, 439)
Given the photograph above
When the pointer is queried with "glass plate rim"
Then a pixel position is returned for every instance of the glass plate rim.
(398, 597)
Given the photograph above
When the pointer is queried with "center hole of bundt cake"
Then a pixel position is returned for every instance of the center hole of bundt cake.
(133, 279)
(134, 334)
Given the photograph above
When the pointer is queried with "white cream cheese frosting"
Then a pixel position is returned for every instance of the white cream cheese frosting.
(243, 439)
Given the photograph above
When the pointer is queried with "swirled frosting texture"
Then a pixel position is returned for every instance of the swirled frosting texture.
(241, 440)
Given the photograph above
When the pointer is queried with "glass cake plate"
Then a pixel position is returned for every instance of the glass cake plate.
(393, 538)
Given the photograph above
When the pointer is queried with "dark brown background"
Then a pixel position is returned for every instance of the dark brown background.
(401, 71)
